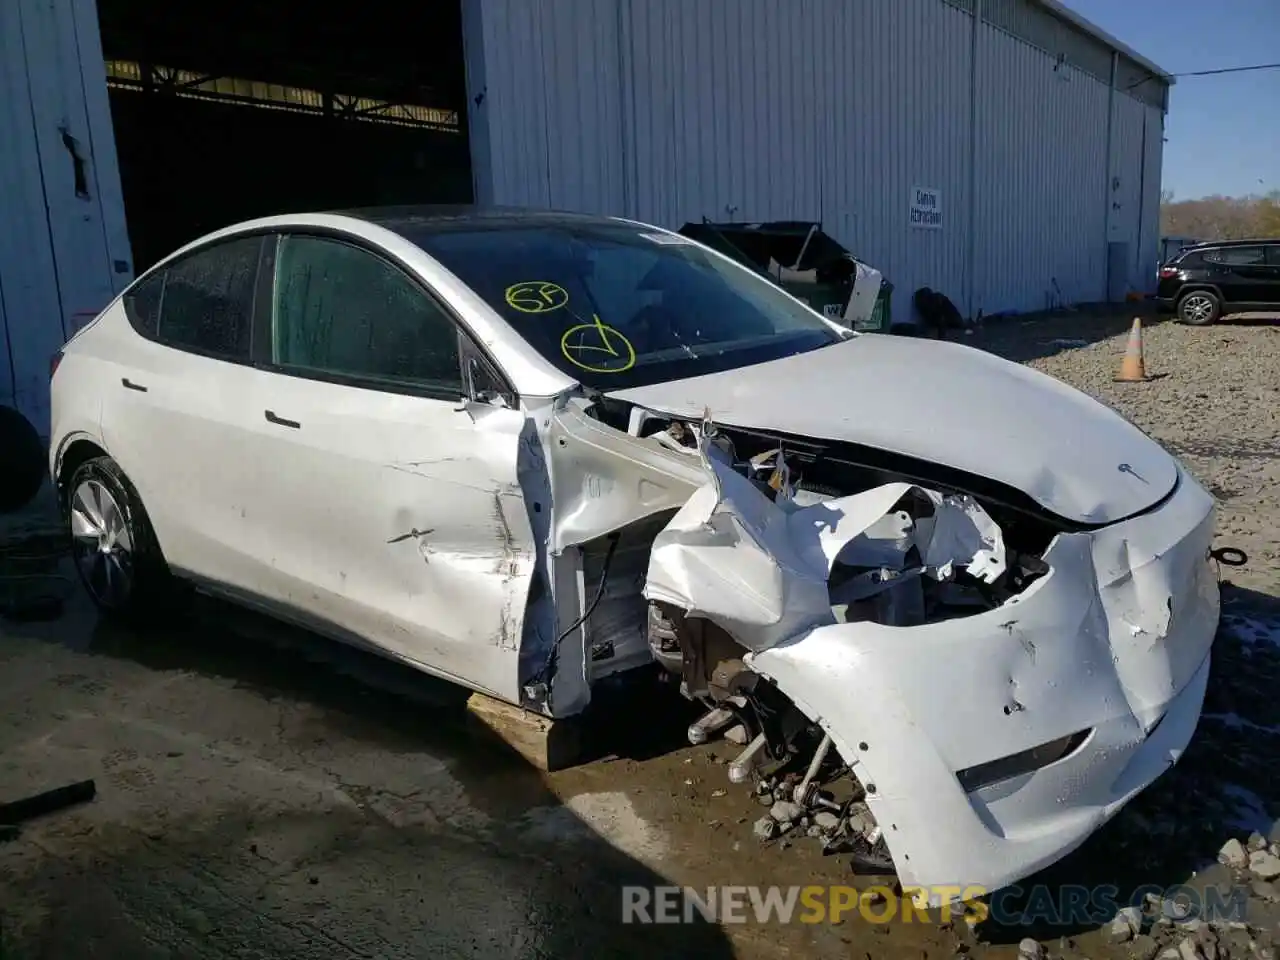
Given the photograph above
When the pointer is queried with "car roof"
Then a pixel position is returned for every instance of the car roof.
(443, 218)
(1253, 241)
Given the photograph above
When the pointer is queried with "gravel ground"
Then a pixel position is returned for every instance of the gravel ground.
(264, 794)
(1214, 402)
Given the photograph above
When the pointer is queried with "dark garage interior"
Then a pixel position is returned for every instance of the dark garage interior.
(244, 109)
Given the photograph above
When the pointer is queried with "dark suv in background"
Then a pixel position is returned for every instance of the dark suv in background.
(1203, 282)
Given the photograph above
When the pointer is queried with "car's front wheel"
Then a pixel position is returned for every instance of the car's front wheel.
(1199, 308)
(113, 544)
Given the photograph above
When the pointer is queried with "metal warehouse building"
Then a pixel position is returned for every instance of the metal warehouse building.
(1005, 152)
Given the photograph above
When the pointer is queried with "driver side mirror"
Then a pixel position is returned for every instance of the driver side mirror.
(482, 388)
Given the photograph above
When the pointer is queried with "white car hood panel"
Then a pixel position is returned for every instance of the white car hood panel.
(947, 404)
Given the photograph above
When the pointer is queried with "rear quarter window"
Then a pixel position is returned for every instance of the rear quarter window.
(208, 299)
(142, 304)
(1235, 256)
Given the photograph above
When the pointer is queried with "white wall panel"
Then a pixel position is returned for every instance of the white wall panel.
(1041, 171)
(750, 110)
(1149, 248)
(29, 279)
(63, 249)
(549, 117)
(898, 81)
(1137, 152)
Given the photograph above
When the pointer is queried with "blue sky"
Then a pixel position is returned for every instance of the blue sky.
(1223, 132)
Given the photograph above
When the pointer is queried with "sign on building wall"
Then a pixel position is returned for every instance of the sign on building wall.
(926, 208)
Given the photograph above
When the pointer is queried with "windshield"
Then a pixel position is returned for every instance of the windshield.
(614, 305)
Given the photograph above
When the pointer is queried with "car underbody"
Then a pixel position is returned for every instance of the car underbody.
(973, 684)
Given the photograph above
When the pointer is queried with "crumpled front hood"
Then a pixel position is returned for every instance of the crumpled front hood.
(945, 403)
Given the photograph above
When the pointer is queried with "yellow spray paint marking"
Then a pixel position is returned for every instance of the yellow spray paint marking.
(598, 348)
(536, 296)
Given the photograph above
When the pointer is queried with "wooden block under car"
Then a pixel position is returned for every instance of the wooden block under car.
(549, 745)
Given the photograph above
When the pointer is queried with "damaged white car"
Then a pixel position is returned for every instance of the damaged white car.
(528, 451)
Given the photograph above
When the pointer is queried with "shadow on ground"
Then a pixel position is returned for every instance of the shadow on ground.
(370, 869)
(1223, 786)
(1037, 336)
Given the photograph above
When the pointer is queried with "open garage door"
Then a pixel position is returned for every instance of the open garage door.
(239, 109)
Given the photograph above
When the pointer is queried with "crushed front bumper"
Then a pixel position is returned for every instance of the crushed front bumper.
(947, 724)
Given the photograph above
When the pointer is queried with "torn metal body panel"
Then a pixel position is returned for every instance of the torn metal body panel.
(760, 569)
(603, 479)
(1077, 693)
(595, 482)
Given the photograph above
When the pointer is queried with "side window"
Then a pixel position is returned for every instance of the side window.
(1273, 255)
(142, 304)
(340, 309)
(208, 299)
(1236, 256)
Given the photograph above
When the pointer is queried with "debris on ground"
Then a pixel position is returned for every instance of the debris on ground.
(1265, 864)
(1265, 890)
(1126, 925)
(1233, 855)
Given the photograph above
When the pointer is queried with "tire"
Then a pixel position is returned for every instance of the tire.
(1199, 308)
(114, 546)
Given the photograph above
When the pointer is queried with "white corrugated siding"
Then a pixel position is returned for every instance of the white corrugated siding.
(1041, 168)
(1136, 159)
(749, 110)
(60, 254)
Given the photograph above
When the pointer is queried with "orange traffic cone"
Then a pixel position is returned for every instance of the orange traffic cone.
(1132, 368)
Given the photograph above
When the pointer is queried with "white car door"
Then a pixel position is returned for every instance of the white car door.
(177, 406)
(387, 510)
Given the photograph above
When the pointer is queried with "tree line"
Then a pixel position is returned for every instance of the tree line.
(1221, 218)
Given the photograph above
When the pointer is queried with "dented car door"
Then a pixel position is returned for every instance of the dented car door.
(391, 508)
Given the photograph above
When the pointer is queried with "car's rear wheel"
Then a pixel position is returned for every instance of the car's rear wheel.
(1199, 308)
(113, 544)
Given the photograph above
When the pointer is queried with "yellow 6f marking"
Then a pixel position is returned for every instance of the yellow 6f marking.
(606, 349)
(536, 296)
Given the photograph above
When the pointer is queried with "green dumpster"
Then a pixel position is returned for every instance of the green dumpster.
(882, 313)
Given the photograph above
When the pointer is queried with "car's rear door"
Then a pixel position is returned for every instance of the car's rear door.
(1243, 274)
(1272, 297)
(176, 410)
(391, 511)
